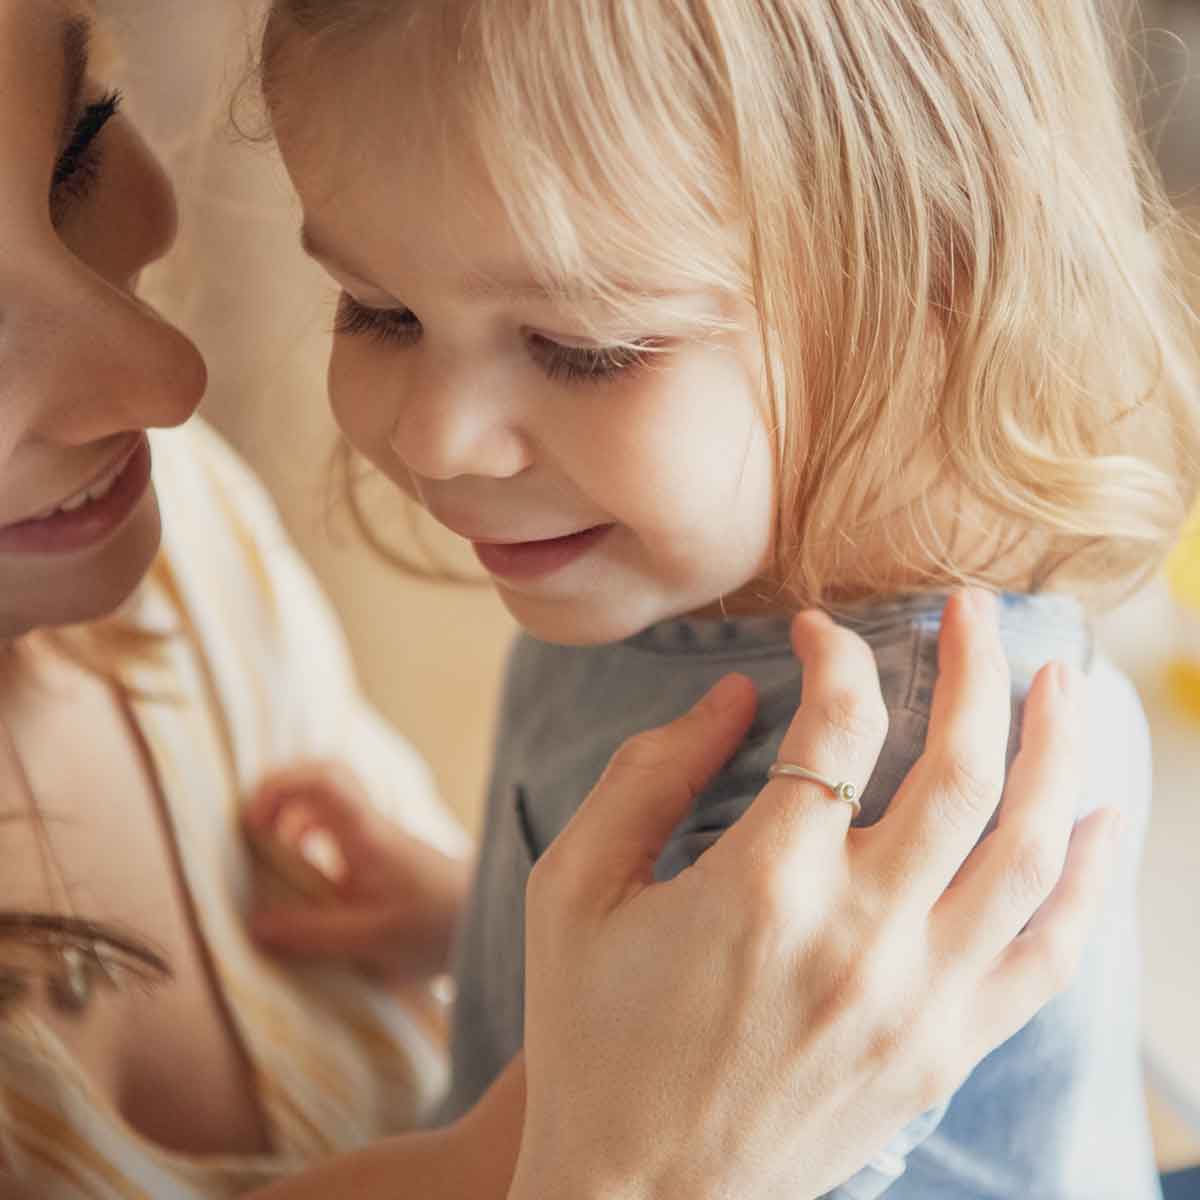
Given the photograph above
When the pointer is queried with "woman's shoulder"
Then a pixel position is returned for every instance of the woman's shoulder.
(224, 545)
(275, 650)
(204, 485)
(228, 568)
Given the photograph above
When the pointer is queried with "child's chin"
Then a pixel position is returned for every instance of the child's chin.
(577, 621)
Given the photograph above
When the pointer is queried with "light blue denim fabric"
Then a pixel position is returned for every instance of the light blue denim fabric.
(1056, 1113)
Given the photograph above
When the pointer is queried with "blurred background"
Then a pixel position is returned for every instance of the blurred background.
(430, 655)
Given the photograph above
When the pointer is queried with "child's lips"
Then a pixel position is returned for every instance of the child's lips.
(528, 560)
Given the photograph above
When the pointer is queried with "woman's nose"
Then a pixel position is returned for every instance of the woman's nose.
(133, 220)
(107, 364)
(450, 422)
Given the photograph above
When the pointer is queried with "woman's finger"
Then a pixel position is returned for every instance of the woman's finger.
(837, 732)
(1042, 961)
(616, 836)
(1012, 871)
(950, 794)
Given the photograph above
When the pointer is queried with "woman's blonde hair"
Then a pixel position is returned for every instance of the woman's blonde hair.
(979, 351)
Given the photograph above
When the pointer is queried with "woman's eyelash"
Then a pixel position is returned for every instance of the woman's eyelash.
(79, 164)
(574, 364)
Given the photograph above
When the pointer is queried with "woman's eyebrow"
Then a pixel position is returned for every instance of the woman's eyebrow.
(76, 45)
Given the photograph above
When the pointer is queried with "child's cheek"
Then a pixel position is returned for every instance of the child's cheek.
(359, 400)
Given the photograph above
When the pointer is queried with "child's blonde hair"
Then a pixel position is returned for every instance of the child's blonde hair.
(959, 255)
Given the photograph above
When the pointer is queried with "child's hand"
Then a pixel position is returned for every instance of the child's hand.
(343, 882)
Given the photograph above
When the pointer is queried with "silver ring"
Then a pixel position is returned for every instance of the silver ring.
(840, 791)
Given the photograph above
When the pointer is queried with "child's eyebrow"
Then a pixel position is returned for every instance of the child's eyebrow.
(311, 244)
(501, 282)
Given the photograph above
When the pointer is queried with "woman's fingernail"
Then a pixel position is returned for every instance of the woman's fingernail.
(722, 694)
(817, 616)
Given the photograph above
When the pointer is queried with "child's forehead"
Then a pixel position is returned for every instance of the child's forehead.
(378, 191)
(416, 158)
(370, 191)
(391, 67)
(489, 267)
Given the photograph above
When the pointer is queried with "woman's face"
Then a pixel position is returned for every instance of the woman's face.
(85, 367)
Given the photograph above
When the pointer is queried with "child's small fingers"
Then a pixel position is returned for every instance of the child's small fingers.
(390, 942)
(314, 779)
(273, 802)
(284, 817)
(297, 821)
(292, 813)
(307, 932)
(261, 809)
(312, 773)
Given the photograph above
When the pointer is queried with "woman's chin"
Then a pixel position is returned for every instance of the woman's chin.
(49, 592)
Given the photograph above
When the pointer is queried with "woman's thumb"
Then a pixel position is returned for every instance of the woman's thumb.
(650, 785)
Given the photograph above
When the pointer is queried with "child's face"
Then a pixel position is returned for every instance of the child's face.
(600, 497)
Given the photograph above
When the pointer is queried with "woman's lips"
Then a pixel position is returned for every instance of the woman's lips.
(90, 523)
(528, 560)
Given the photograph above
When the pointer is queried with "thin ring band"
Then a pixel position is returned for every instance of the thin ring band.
(840, 791)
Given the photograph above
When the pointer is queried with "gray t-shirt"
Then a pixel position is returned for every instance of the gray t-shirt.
(1056, 1113)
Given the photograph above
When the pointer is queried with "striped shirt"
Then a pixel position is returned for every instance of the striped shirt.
(255, 675)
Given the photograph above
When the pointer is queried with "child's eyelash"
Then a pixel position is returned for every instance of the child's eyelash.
(379, 324)
(570, 363)
(587, 364)
(79, 163)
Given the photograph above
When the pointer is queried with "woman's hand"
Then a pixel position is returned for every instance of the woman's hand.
(355, 887)
(761, 1025)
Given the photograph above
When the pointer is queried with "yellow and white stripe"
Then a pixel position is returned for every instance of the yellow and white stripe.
(258, 675)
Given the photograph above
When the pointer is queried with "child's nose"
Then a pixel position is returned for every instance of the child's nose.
(450, 423)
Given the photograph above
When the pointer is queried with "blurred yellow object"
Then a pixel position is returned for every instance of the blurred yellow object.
(1183, 577)
(1183, 681)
